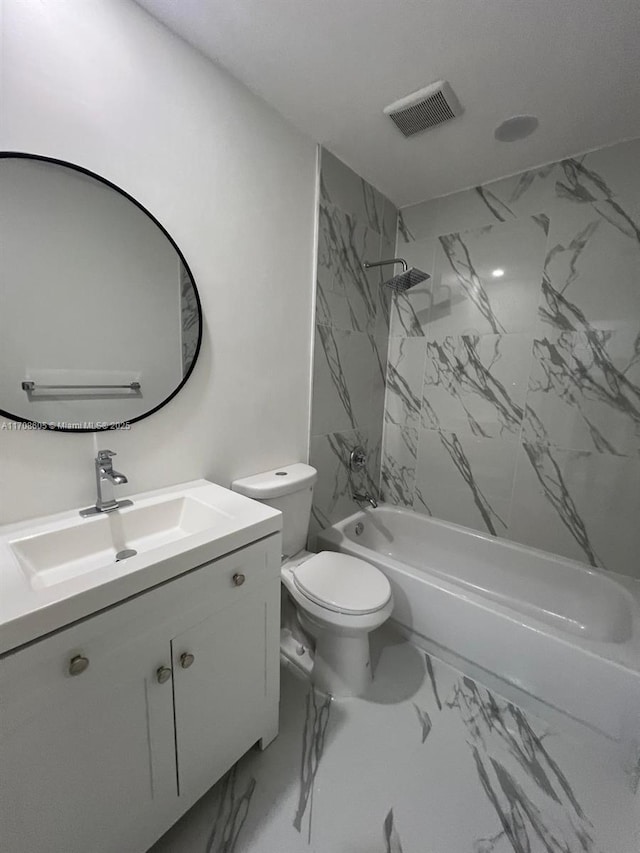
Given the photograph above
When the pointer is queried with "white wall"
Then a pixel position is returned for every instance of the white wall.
(100, 83)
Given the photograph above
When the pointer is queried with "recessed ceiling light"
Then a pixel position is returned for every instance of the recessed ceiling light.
(497, 273)
(516, 127)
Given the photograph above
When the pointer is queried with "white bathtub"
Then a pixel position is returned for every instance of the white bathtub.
(556, 630)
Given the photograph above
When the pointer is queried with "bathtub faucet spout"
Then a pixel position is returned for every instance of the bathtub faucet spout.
(365, 497)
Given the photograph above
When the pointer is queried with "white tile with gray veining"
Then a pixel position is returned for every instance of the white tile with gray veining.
(429, 761)
(398, 467)
(389, 227)
(468, 297)
(581, 504)
(329, 454)
(477, 382)
(346, 295)
(545, 355)
(411, 308)
(341, 186)
(484, 281)
(356, 224)
(405, 369)
(420, 221)
(465, 479)
(584, 390)
(343, 371)
(615, 171)
(592, 269)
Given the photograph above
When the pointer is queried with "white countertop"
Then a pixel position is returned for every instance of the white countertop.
(28, 612)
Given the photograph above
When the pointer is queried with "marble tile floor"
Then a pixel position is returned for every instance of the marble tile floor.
(429, 761)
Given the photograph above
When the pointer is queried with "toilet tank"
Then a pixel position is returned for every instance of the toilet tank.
(289, 489)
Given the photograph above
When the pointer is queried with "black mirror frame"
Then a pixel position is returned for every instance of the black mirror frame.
(5, 155)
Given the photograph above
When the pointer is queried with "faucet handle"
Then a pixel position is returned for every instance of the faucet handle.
(105, 455)
(357, 459)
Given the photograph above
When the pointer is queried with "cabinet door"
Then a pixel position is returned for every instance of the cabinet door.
(87, 761)
(226, 698)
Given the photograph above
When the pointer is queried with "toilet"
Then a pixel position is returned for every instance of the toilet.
(339, 599)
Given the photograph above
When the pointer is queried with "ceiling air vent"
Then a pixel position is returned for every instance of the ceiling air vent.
(425, 108)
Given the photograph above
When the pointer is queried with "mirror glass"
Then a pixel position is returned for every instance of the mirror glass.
(100, 319)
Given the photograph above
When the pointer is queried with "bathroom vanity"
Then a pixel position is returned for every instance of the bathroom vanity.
(128, 688)
(139, 638)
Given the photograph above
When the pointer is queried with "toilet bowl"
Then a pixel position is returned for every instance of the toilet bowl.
(339, 599)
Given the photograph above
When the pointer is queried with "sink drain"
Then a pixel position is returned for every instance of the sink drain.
(123, 555)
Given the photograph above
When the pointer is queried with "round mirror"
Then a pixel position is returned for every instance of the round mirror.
(100, 318)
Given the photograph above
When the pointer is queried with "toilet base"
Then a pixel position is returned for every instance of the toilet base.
(341, 662)
(342, 666)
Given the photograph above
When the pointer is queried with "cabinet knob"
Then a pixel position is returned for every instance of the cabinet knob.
(78, 664)
(238, 579)
(163, 674)
(186, 659)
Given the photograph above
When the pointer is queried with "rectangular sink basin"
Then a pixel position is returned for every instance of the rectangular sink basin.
(60, 568)
(60, 555)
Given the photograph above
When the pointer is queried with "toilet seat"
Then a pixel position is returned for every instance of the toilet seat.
(342, 584)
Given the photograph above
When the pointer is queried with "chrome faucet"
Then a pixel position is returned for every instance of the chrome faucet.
(106, 479)
(365, 497)
(358, 462)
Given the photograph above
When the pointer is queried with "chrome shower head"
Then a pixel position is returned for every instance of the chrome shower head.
(404, 280)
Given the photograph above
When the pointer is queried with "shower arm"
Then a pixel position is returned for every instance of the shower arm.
(367, 265)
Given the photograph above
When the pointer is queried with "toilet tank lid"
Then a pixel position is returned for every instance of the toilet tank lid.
(275, 483)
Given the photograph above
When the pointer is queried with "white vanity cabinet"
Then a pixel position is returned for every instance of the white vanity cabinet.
(171, 688)
(225, 696)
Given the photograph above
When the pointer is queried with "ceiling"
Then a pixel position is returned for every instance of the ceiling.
(330, 66)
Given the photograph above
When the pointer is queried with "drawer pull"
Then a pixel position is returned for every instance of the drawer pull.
(186, 659)
(78, 664)
(163, 674)
(238, 579)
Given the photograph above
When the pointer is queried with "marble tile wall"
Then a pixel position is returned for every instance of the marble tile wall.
(513, 375)
(356, 223)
